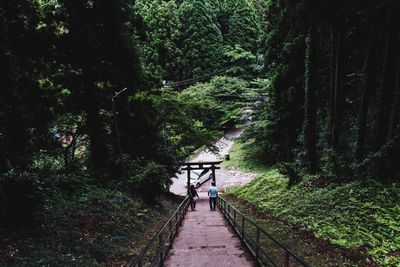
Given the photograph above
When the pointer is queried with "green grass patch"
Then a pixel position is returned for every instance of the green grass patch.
(243, 159)
(316, 252)
(363, 213)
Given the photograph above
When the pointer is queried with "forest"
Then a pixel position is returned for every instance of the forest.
(102, 101)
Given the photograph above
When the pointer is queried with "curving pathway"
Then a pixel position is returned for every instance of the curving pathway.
(225, 178)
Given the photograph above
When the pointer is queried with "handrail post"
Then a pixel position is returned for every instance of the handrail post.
(180, 214)
(286, 261)
(170, 232)
(176, 224)
(257, 245)
(161, 250)
(225, 209)
(234, 219)
(242, 227)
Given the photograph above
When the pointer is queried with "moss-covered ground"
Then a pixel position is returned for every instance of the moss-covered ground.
(359, 219)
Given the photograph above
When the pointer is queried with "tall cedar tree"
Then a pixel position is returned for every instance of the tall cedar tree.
(162, 57)
(369, 83)
(202, 42)
(243, 24)
(389, 77)
(26, 108)
(349, 55)
(24, 114)
(284, 112)
(310, 105)
(101, 51)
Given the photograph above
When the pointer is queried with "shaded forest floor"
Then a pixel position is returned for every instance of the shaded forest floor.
(352, 223)
(108, 229)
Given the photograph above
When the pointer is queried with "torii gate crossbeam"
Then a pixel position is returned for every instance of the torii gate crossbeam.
(212, 165)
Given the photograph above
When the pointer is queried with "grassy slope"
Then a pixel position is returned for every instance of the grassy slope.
(360, 214)
(98, 228)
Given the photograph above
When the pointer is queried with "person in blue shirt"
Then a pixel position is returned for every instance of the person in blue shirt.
(213, 194)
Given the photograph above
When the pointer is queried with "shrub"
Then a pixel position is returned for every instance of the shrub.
(383, 164)
(149, 180)
(291, 172)
(23, 195)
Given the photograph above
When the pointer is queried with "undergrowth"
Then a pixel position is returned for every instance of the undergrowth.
(359, 214)
(95, 227)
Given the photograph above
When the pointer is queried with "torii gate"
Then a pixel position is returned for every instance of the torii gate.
(201, 166)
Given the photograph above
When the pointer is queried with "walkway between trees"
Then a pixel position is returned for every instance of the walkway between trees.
(206, 239)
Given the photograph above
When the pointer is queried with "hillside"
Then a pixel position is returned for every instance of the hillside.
(360, 214)
(97, 227)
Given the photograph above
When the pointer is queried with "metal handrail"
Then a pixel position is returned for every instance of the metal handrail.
(162, 241)
(256, 246)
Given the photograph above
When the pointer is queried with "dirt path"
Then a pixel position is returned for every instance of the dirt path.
(206, 239)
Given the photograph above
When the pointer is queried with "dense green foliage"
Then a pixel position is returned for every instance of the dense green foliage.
(353, 215)
(360, 214)
(242, 25)
(64, 113)
(333, 100)
(201, 38)
(192, 39)
(82, 108)
(162, 57)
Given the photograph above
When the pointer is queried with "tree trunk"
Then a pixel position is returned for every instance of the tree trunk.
(389, 80)
(332, 82)
(3, 206)
(95, 130)
(338, 88)
(310, 118)
(395, 113)
(369, 70)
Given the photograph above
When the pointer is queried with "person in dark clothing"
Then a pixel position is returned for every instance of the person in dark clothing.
(193, 197)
